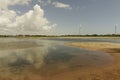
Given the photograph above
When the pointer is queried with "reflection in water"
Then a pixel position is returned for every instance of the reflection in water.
(38, 57)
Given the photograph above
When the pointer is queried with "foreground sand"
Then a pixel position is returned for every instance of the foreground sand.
(108, 72)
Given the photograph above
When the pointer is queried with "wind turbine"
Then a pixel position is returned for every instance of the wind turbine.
(80, 29)
(115, 28)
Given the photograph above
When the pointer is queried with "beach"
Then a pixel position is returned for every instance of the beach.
(106, 72)
(59, 59)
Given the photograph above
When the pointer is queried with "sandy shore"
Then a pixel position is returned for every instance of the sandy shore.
(105, 72)
(108, 72)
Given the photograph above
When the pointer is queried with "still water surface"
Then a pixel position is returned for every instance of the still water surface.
(24, 57)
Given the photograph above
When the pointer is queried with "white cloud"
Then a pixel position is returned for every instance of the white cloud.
(5, 3)
(31, 22)
(6, 17)
(61, 5)
(55, 4)
(45, 2)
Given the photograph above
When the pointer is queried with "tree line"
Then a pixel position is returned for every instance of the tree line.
(87, 35)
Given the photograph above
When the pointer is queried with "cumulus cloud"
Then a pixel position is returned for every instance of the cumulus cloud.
(5, 3)
(31, 22)
(61, 5)
(6, 18)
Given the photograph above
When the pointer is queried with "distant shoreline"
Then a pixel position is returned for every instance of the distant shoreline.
(60, 37)
(64, 36)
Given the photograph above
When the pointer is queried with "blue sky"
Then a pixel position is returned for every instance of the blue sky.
(67, 16)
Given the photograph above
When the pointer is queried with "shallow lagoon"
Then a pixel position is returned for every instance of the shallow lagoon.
(21, 58)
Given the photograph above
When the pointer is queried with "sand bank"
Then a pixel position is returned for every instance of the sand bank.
(108, 72)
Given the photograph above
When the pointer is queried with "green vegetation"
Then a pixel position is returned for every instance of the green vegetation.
(93, 35)
(87, 35)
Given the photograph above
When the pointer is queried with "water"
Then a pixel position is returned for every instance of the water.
(21, 58)
(86, 40)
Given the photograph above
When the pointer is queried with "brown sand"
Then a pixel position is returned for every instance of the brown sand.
(107, 72)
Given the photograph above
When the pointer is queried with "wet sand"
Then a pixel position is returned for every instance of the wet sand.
(58, 63)
(107, 72)
(25, 65)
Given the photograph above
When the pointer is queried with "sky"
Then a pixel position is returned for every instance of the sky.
(59, 17)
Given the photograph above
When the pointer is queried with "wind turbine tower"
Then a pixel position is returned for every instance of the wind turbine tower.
(115, 28)
(80, 29)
